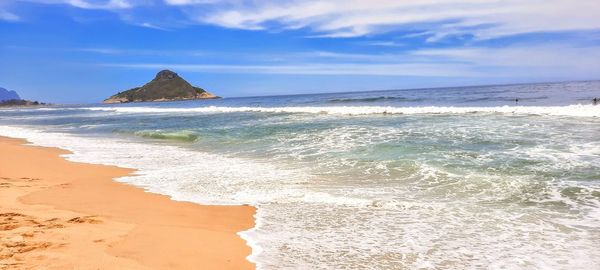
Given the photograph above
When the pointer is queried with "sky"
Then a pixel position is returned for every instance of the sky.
(82, 51)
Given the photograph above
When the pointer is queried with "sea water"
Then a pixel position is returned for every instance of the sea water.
(447, 178)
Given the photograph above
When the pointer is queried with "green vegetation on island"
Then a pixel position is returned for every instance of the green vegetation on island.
(166, 86)
(20, 102)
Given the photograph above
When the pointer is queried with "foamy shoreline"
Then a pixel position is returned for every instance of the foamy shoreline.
(66, 141)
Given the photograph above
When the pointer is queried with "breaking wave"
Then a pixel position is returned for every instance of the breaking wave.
(186, 136)
(570, 110)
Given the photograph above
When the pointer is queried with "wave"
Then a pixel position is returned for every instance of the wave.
(186, 136)
(570, 110)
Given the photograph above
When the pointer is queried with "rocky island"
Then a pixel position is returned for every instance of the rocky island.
(166, 86)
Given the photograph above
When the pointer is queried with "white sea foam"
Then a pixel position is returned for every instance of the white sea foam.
(188, 175)
(182, 174)
(570, 110)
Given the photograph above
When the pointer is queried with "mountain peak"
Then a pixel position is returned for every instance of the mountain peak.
(8, 95)
(166, 75)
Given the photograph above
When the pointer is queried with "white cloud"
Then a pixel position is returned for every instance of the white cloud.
(436, 18)
(8, 16)
(383, 43)
(560, 58)
(91, 4)
(190, 2)
(111, 4)
(151, 26)
(432, 19)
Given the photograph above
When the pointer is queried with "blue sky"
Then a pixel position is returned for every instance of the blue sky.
(79, 51)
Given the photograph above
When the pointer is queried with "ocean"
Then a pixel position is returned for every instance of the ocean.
(446, 178)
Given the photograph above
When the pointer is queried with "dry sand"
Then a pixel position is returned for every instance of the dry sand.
(57, 214)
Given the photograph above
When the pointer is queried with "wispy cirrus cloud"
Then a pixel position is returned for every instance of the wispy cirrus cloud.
(411, 69)
(540, 61)
(110, 51)
(191, 2)
(524, 59)
(437, 19)
(8, 16)
(129, 11)
(92, 4)
(133, 52)
(433, 20)
(383, 43)
(151, 26)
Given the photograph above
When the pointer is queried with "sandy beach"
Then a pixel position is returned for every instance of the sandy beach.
(57, 214)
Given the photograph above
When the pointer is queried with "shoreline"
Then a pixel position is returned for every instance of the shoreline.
(61, 214)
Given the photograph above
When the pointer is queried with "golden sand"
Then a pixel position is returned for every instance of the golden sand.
(57, 214)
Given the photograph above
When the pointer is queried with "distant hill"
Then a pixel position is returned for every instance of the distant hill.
(20, 103)
(8, 95)
(166, 86)
(12, 99)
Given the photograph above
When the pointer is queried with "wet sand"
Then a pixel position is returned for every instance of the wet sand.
(57, 214)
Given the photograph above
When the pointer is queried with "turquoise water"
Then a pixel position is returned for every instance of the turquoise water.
(430, 178)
